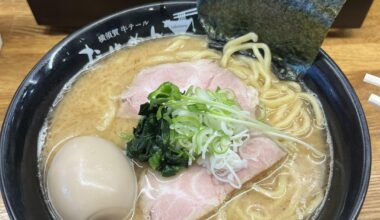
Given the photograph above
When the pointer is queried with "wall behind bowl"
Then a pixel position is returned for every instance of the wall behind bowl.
(74, 13)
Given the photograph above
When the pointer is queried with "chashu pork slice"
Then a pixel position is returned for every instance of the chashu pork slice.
(194, 192)
(246, 96)
(201, 73)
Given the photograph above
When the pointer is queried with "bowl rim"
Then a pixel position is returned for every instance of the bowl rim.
(4, 132)
(364, 130)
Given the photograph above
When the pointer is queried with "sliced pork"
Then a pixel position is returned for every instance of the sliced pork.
(201, 73)
(194, 193)
(246, 95)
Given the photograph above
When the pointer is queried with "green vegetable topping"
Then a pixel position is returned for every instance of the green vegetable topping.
(207, 126)
(151, 142)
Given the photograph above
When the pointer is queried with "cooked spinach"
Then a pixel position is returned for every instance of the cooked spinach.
(151, 139)
(177, 128)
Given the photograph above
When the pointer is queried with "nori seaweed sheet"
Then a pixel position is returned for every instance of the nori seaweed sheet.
(293, 29)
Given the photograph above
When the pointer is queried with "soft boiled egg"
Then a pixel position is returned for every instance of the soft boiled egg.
(90, 178)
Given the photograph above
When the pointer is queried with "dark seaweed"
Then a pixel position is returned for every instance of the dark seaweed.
(293, 29)
(151, 137)
(151, 143)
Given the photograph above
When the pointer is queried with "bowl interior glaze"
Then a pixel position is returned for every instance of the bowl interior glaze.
(32, 101)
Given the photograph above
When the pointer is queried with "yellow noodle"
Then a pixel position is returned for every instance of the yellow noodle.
(227, 53)
(295, 86)
(279, 114)
(256, 215)
(241, 72)
(288, 98)
(316, 107)
(253, 82)
(159, 59)
(293, 208)
(271, 93)
(266, 78)
(262, 67)
(235, 42)
(293, 113)
(187, 54)
(206, 54)
(175, 45)
(249, 62)
(296, 124)
(241, 214)
(287, 105)
(254, 69)
(267, 59)
(305, 126)
(278, 192)
(292, 205)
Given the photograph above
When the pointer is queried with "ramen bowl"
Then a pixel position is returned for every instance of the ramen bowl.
(20, 184)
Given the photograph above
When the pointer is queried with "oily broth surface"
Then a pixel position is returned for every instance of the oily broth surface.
(91, 108)
(95, 97)
(306, 182)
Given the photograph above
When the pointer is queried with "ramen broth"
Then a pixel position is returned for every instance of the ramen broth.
(293, 189)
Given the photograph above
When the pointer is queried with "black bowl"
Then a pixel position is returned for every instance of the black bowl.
(30, 105)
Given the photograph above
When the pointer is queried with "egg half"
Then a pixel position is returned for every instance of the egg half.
(90, 178)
